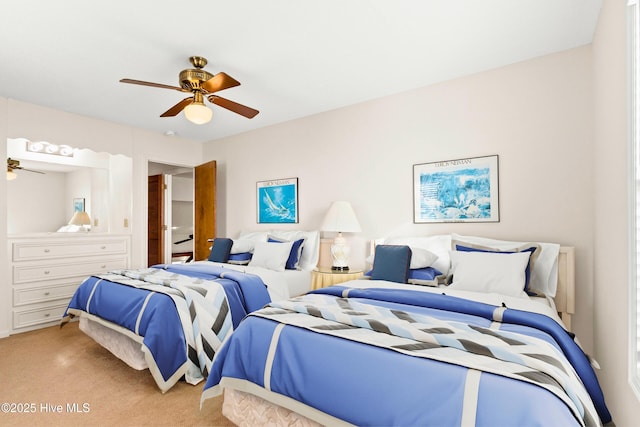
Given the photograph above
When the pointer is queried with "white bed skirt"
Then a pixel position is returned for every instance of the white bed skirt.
(122, 346)
(247, 410)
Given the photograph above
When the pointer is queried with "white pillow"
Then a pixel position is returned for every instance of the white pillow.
(271, 255)
(420, 258)
(310, 253)
(544, 273)
(501, 273)
(255, 236)
(242, 245)
(439, 245)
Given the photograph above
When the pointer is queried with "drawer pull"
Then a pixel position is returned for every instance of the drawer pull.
(47, 272)
(103, 266)
(47, 293)
(47, 250)
(47, 314)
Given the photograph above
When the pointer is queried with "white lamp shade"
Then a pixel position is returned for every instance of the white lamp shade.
(198, 113)
(80, 218)
(341, 218)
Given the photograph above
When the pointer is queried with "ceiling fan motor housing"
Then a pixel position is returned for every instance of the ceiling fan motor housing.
(191, 79)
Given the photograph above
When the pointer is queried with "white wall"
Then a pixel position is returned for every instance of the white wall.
(35, 203)
(182, 212)
(611, 237)
(182, 189)
(536, 115)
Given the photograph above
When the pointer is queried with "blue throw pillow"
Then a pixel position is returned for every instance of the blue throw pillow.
(240, 259)
(220, 249)
(527, 271)
(391, 263)
(420, 276)
(294, 255)
(424, 276)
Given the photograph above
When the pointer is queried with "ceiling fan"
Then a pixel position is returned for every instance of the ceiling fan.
(201, 84)
(15, 164)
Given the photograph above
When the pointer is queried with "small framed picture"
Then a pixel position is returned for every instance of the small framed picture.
(78, 205)
(277, 201)
(462, 190)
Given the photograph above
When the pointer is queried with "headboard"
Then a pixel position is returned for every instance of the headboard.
(565, 295)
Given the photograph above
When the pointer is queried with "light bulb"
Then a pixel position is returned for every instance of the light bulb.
(198, 113)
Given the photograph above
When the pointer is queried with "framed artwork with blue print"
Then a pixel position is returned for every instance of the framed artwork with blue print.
(463, 190)
(277, 201)
(78, 205)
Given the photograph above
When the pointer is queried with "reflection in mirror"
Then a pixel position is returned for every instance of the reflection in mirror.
(41, 197)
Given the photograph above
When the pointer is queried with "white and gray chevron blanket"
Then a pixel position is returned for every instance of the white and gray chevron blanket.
(503, 353)
(202, 307)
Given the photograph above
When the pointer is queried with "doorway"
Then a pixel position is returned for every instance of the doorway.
(181, 212)
(170, 213)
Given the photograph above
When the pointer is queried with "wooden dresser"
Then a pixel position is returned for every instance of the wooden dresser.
(47, 268)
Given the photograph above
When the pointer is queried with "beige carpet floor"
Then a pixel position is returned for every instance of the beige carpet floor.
(62, 369)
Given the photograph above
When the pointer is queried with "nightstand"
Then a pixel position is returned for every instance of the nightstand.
(324, 277)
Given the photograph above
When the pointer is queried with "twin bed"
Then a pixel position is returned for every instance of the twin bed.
(172, 318)
(490, 348)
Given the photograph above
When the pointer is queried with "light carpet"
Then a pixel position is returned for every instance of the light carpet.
(60, 376)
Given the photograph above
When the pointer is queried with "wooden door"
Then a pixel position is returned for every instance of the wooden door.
(155, 221)
(204, 208)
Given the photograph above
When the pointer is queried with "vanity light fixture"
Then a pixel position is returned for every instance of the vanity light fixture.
(11, 175)
(48, 148)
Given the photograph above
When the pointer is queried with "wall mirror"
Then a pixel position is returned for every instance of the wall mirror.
(48, 185)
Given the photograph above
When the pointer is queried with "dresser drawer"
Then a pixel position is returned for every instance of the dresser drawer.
(23, 295)
(32, 273)
(24, 318)
(27, 251)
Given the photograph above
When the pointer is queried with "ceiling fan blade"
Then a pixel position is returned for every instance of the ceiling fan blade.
(243, 110)
(160, 85)
(219, 82)
(30, 170)
(177, 108)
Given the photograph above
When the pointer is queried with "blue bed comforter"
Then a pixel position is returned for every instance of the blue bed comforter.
(180, 314)
(389, 357)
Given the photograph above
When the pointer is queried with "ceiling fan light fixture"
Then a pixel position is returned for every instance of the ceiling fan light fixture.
(198, 113)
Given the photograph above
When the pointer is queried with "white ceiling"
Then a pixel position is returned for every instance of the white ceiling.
(294, 58)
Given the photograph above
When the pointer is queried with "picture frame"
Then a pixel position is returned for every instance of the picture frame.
(277, 201)
(462, 190)
(78, 205)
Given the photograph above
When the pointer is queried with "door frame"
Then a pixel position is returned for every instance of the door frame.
(204, 206)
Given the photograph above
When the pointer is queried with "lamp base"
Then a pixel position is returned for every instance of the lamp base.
(340, 253)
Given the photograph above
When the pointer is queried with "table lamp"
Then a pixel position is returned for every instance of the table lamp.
(341, 219)
(82, 219)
